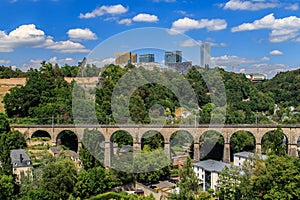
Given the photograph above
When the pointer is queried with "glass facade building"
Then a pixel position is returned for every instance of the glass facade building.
(146, 58)
(173, 57)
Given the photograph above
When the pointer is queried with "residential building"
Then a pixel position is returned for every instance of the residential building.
(256, 77)
(21, 164)
(208, 172)
(205, 54)
(146, 58)
(55, 151)
(74, 157)
(173, 57)
(124, 58)
(241, 157)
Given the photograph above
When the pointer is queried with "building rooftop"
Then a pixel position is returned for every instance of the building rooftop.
(19, 158)
(55, 150)
(72, 153)
(246, 154)
(211, 165)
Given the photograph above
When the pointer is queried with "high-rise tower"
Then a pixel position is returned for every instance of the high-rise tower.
(205, 54)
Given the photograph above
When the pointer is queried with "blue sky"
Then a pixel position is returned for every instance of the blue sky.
(253, 35)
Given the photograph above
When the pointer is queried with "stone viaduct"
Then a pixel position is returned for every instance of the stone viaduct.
(292, 133)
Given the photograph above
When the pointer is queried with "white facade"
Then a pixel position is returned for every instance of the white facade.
(241, 157)
(208, 172)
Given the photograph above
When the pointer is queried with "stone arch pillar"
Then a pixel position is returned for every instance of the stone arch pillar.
(226, 151)
(196, 150)
(292, 143)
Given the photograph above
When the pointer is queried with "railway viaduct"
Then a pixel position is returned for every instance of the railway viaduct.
(292, 133)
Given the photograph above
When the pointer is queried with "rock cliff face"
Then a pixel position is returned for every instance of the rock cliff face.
(6, 85)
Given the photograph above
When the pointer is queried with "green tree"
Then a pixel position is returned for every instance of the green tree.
(59, 178)
(242, 141)
(229, 183)
(272, 142)
(278, 179)
(6, 186)
(189, 183)
(91, 182)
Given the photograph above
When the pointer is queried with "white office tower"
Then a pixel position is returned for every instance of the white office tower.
(205, 54)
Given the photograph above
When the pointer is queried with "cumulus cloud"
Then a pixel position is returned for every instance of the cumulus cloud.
(112, 10)
(81, 34)
(4, 61)
(126, 21)
(192, 43)
(189, 43)
(226, 60)
(143, 17)
(249, 5)
(29, 36)
(102, 63)
(294, 6)
(268, 69)
(186, 24)
(275, 52)
(36, 63)
(282, 29)
(254, 5)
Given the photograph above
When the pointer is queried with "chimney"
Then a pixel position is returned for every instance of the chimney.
(21, 158)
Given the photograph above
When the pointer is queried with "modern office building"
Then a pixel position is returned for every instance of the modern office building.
(123, 58)
(146, 58)
(205, 54)
(173, 57)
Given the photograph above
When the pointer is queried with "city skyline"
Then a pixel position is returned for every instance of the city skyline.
(254, 36)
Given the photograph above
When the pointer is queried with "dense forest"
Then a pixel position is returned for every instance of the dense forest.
(208, 95)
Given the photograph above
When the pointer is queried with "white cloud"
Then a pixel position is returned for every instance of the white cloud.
(126, 21)
(189, 43)
(103, 62)
(269, 69)
(186, 24)
(29, 36)
(294, 6)
(235, 60)
(143, 17)
(81, 34)
(276, 52)
(67, 47)
(282, 29)
(61, 61)
(4, 61)
(24, 35)
(112, 10)
(36, 63)
(249, 5)
(192, 43)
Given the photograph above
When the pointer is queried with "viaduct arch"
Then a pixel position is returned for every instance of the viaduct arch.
(291, 131)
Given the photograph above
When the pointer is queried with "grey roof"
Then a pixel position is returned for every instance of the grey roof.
(55, 150)
(126, 148)
(246, 154)
(211, 165)
(72, 153)
(19, 158)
